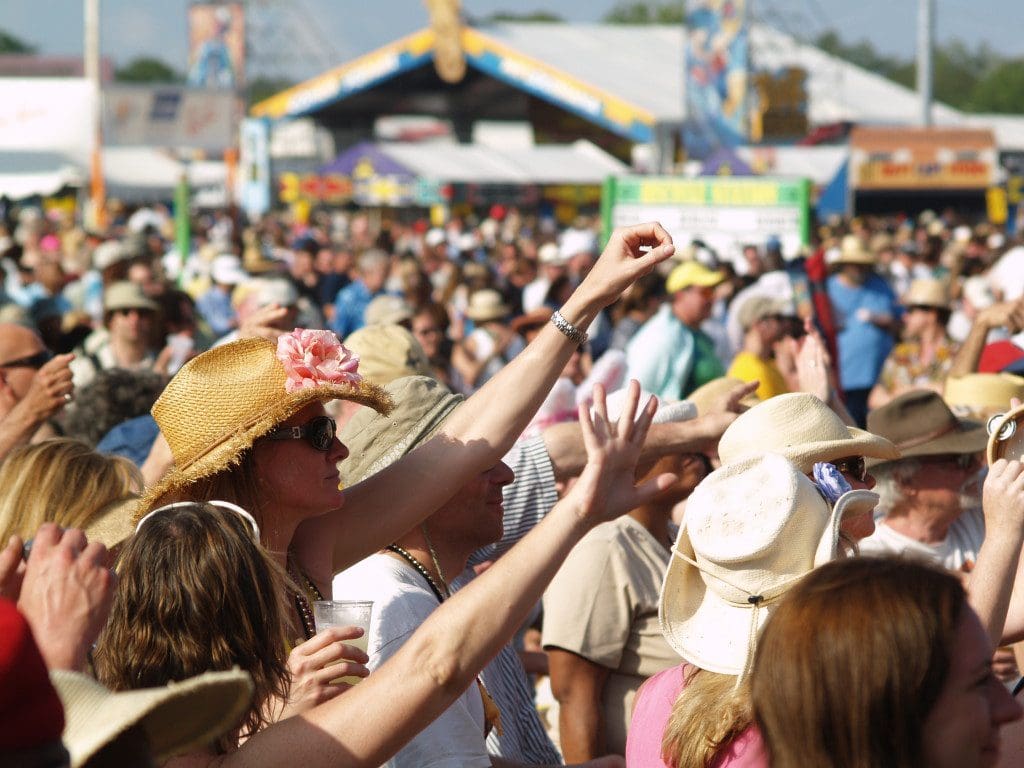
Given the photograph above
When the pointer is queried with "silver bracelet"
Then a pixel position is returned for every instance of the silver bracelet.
(574, 334)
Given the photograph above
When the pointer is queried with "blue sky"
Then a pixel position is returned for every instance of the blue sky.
(333, 30)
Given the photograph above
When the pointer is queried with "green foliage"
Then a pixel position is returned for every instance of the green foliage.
(11, 44)
(147, 70)
(261, 88)
(524, 17)
(978, 80)
(651, 12)
(1001, 89)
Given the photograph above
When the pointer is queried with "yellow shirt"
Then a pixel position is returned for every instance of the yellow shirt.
(747, 366)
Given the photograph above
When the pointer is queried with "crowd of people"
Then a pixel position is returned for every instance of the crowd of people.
(648, 504)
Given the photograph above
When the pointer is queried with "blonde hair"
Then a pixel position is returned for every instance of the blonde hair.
(62, 481)
(709, 713)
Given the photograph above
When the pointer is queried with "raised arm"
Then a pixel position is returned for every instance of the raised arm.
(481, 431)
(376, 718)
(997, 576)
(1009, 314)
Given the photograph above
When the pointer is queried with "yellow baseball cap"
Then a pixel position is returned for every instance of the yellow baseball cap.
(691, 273)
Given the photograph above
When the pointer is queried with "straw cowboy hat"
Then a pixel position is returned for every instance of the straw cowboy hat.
(802, 428)
(751, 531)
(223, 400)
(919, 423)
(979, 395)
(710, 397)
(927, 292)
(176, 718)
(852, 251)
(487, 305)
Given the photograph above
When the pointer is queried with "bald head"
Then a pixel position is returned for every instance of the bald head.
(16, 343)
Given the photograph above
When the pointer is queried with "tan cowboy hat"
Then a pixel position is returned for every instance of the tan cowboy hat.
(125, 295)
(487, 305)
(376, 441)
(223, 400)
(802, 428)
(979, 395)
(852, 251)
(388, 352)
(710, 397)
(752, 529)
(387, 310)
(177, 717)
(919, 423)
(927, 292)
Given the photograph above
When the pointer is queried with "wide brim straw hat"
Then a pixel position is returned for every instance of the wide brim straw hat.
(802, 428)
(177, 718)
(752, 530)
(710, 397)
(919, 423)
(375, 441)
(927, 292)
(852, 251)
(979, 395)
(487, 305)
(114, 524)
(223, 400)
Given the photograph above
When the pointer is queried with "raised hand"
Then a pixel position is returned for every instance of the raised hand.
(1003, 499)
(66, 595)
(623, 262)
(605, 489)
(49, 390)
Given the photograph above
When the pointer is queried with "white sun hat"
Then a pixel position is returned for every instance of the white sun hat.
(751, 531)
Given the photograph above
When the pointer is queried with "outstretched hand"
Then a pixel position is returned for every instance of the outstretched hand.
(606, 487)
(623, 262)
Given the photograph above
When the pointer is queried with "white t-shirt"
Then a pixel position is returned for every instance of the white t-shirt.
(402, 601)
(961, 545)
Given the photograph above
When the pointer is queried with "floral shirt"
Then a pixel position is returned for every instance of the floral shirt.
(904, 369)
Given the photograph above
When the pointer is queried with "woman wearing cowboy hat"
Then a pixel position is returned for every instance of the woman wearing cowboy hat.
(246, 423)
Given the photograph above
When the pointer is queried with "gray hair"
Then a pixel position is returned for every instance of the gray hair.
(890, 479)
(372, 258)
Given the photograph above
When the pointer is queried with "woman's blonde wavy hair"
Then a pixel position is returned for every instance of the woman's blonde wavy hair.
(61, 481)
(709, 713)
(197, 592)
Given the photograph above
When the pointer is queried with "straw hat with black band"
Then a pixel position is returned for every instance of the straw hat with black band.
(223, 400)
(802, 428)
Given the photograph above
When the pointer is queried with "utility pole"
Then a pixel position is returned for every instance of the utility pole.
(925, 41)
(91, 67)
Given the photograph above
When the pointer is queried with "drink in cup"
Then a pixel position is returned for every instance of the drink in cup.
(344, 613)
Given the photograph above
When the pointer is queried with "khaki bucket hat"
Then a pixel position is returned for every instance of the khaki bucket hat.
(802, 428)
(223, 400)
(752, 529)
(487, 305)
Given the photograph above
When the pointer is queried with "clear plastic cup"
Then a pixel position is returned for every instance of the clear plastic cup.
(344, 613)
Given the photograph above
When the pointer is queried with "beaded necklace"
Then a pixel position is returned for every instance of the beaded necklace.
(302, 606)
(491, 712)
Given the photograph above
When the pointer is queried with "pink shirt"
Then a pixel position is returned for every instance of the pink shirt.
(651, 710)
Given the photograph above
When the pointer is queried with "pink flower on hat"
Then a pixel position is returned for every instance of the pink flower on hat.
(314, 358)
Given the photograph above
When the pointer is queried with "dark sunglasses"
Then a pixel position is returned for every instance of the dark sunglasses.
(318, 432)
(37, 361)
(854, 466)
